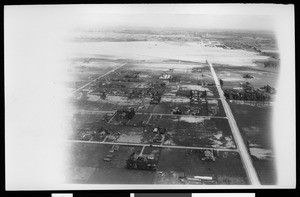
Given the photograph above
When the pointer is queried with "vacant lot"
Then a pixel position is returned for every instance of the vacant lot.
(87, 165)
(189, 162)
(232, 76)
(212, 133)
(257, 132)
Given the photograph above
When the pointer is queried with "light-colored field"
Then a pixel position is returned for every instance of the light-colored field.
(175, 99)
(194, 87)
(143, 50)
(261, 153)
(130, 137)
(192, 119)
(113, 99)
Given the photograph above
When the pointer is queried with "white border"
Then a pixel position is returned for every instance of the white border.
(54, 20)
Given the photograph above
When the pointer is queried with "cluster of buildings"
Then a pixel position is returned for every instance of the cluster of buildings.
(249, 93)
(155, 97)
(141, 162)
(165, 76)
(125, 114)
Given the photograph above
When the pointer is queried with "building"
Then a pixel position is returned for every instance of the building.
(165, 76)
(141, 162)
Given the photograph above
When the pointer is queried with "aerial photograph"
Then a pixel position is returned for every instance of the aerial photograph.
(172, 105)
(139, 96)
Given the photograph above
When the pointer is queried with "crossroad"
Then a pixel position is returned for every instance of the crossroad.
(241, 147)
(91, 82)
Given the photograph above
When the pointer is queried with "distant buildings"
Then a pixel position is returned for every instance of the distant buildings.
(165, 76)
(197, 70)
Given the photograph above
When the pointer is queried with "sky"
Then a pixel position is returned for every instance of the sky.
(195, 21)
(207, 16)
(204, 16)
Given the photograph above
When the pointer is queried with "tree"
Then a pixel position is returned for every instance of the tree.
(221, 82)
(131, 114)
(268, 88)
(141, 163)
(204, 94)
(103, 95)
(131, 163)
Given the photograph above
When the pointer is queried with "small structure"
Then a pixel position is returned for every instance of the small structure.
(208, 155)
(197, 70)
(107, 159)
(176, 111)
(114, 148)
(248, 76)
(162, 130)
(165, 76)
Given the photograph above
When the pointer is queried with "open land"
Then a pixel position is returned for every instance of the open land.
(148, 111)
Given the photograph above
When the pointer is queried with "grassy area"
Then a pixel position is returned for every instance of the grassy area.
(87, 165)
(190, 163)
(257, 131)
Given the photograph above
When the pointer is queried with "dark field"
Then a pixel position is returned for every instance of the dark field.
(257, 132)
(87, 165)
(227, 164)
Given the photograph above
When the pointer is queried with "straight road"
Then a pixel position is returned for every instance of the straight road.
(153, 145)
(241, 147)
(99, 78)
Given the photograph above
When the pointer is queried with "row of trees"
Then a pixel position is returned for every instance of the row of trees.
(256, 95)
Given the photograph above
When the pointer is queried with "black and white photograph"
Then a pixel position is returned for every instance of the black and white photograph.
(149, 96)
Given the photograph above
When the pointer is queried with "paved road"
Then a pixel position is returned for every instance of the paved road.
(246, 159)
(99, 78)
(153, 145)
